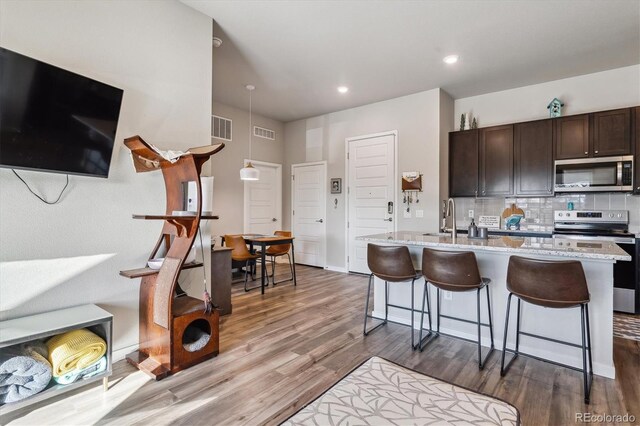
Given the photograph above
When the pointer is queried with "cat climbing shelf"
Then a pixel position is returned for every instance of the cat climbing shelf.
(175, 332)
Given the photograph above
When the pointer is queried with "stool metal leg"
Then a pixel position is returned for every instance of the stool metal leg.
(366, 308)
(413, 344)
(490, 322)
(423, 342)
(503, 368)
(481, 362)
(585, 374)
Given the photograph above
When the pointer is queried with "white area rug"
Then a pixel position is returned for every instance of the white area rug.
(380, 392)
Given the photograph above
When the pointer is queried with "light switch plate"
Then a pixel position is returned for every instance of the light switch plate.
(471, 212)
(407, 214)
(448, 295)
(419, 213)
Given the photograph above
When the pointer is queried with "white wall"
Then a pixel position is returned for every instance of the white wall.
(416, 118)
(604, 90)
(67, 254)
(228, 193)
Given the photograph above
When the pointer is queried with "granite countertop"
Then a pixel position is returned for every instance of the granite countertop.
(515, 245)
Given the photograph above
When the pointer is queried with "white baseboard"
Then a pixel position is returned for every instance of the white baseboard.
(336, 269)
(120, 354)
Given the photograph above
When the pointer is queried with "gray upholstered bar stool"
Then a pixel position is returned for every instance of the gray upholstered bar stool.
(551, 284)
(392, 264)
(456, 272)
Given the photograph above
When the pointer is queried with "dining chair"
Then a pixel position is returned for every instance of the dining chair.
(279, 250)
(241, 257)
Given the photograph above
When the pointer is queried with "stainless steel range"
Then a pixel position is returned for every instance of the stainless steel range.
(596, 228)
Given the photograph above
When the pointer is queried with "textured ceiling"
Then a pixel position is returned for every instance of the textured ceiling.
(297, 52)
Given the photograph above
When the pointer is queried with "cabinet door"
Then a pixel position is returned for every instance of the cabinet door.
(636, 164)
(534, 158)
(463, 163)
(572, 137)
(496, 161)
(611, 132)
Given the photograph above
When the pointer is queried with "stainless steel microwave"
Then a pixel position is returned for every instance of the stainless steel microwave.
(605, 174)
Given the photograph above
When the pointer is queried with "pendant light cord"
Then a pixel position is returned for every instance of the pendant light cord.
(250, 126)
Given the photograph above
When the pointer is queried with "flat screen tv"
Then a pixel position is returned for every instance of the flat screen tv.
(53, 120)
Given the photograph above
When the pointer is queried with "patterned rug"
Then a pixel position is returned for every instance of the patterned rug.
(380, 392)
(626, 326)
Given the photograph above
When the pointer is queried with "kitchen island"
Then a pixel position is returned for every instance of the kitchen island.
(493, 254)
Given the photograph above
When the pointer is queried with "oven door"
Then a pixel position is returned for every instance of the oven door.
(594, 174)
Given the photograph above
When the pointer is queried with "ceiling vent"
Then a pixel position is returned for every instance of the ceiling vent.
(221, 128)
(261, 132)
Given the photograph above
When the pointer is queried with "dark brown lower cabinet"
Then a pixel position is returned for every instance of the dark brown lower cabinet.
(496, 161)
(534, 158)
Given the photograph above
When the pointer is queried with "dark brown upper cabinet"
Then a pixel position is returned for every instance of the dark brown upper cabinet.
(463, 163)
(611, 132)
(572, 137)
(636, 135)
(533, 144)
(496, 161)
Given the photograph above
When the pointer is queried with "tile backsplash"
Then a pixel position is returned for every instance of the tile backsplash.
(539, 210)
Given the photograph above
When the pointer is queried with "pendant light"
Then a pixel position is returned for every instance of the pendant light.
(248, 172)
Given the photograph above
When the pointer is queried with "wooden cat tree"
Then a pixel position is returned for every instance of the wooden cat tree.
(164, 318)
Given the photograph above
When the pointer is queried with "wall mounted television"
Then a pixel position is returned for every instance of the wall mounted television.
(53, 120)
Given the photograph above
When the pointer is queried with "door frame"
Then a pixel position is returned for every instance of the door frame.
(324, 195)
(278, 168)
(393, 133)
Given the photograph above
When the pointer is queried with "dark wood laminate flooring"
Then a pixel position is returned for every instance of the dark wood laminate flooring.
(281, 350)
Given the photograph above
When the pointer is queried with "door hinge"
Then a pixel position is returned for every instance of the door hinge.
(347, 155)
(293, 177)
(347, 259)
(348, 190)
(293, 212)
(347, 225)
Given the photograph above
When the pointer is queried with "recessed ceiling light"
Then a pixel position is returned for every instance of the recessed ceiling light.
(343, 89)
(451, 59)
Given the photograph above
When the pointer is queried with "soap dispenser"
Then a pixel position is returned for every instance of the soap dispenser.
(473, 230)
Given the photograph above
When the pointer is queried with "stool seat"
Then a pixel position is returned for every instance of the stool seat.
(552, 284)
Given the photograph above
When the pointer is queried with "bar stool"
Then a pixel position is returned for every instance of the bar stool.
(456, 272)
(392, 264)
(551, 284)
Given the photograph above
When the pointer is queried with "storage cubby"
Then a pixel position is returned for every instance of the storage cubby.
(46, 325)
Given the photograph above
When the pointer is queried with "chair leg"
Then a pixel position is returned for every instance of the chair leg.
(413, 344)
(503, 368)
(490, 321)
(273, 269)
(586, 314)
(366, 332)
(423, 342)
(585, 374)
(481, 362)
(438, 313)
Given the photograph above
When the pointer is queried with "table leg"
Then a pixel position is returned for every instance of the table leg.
(263, 248)
(293, 263)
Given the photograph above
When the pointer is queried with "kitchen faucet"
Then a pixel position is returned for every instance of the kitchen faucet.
(450, 210)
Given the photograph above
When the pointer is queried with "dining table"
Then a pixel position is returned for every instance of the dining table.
(264, 241)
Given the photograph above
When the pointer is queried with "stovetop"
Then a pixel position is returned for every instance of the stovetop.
(605, 223)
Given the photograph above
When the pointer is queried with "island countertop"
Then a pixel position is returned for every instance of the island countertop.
(559, 247)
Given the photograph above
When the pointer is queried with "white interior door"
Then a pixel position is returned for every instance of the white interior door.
(308, 216)
(263, 200)
(371, 164)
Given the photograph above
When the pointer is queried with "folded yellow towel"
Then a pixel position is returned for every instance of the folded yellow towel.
(75, 349)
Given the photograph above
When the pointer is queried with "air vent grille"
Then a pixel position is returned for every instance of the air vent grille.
(261, 132)
(221, 127)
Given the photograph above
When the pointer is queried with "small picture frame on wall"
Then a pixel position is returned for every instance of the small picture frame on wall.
(336, 185)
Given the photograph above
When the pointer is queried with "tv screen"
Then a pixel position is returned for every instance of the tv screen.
(54, 120)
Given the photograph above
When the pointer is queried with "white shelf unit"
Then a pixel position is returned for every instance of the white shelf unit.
(42, 326)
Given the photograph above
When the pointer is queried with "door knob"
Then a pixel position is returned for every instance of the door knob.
(388, 220)
(274, 220)
(320, 220)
